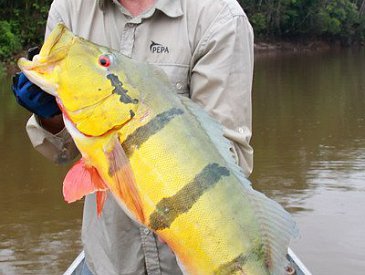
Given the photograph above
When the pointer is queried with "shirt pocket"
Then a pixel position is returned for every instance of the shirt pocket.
(178, 76)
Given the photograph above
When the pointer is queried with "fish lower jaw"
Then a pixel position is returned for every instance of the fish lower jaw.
(36, 74)
(46, 86)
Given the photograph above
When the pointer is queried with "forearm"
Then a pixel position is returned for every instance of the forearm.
(53, 125)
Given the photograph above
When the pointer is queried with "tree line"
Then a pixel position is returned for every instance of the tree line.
(341, 20)
(22, 22)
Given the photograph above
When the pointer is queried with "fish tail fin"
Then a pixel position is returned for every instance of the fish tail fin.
(82, 180)
(277, 228)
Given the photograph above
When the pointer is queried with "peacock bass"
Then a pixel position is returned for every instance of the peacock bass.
(164, 159)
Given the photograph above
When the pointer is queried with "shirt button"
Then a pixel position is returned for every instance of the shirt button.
(240, 129)
(179, 85)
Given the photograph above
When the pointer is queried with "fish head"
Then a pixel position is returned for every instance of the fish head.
(89, 81)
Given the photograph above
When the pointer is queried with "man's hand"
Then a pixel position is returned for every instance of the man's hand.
(32, 98)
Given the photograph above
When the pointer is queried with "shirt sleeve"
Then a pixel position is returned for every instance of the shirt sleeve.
(221, 80)
(58, 13)
(60, 147)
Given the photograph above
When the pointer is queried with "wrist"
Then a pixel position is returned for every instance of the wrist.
(53, 124)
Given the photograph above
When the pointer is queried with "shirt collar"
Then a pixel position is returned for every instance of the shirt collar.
(171, 8)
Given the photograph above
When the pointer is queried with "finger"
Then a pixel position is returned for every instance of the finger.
(22, 80)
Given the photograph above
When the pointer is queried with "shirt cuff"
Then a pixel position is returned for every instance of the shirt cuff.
(241, 148)
(58, 148)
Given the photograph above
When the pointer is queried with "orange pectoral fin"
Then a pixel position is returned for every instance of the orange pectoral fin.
(82, 180)
(121, 171)
(100, 200)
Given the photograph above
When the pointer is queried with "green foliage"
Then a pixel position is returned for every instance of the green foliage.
(22, 24)
(361, 29)
(2, 70)
(33, 26)
(328, 19)
(9, 41)
(338, 18)
(258, 21)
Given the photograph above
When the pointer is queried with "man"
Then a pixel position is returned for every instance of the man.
(206, 49)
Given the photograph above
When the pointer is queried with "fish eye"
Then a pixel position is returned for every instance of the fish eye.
(104, 61)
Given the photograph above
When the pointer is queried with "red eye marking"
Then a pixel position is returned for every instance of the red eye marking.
(104, 61)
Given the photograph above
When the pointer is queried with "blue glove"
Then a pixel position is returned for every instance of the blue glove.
(33, 98)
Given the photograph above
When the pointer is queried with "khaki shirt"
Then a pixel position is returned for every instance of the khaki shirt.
(206, 49)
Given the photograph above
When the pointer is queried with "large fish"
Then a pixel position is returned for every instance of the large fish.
(163, 158)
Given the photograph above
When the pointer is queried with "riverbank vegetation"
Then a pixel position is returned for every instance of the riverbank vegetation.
(22, 25)
(326, 20)
(22, 22)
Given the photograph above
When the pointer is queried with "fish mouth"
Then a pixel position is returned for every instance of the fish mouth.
(40, 70)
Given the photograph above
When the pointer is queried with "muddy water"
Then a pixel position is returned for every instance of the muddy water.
(309, 139)
(39, 233)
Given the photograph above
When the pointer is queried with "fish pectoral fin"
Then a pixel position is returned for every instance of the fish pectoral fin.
(82, 180)
(125, 185)
(100, 200)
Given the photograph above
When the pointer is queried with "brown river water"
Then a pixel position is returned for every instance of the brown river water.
(309, 140)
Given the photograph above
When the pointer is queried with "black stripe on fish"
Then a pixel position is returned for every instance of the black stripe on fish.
(118, 89)
(143, 133)
(168, 209)
(257, 254)
(132, 113)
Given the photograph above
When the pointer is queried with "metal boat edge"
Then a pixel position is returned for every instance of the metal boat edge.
(298, 268)
(76, 267)
(297, 264)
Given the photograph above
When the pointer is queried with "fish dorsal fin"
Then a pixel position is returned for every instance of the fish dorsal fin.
(123, 177)
(277, 226)
(215, 132)
(82, 180)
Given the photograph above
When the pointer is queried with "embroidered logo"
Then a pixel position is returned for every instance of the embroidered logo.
(158, 48)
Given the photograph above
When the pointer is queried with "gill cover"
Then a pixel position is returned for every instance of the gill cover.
(88, 80)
